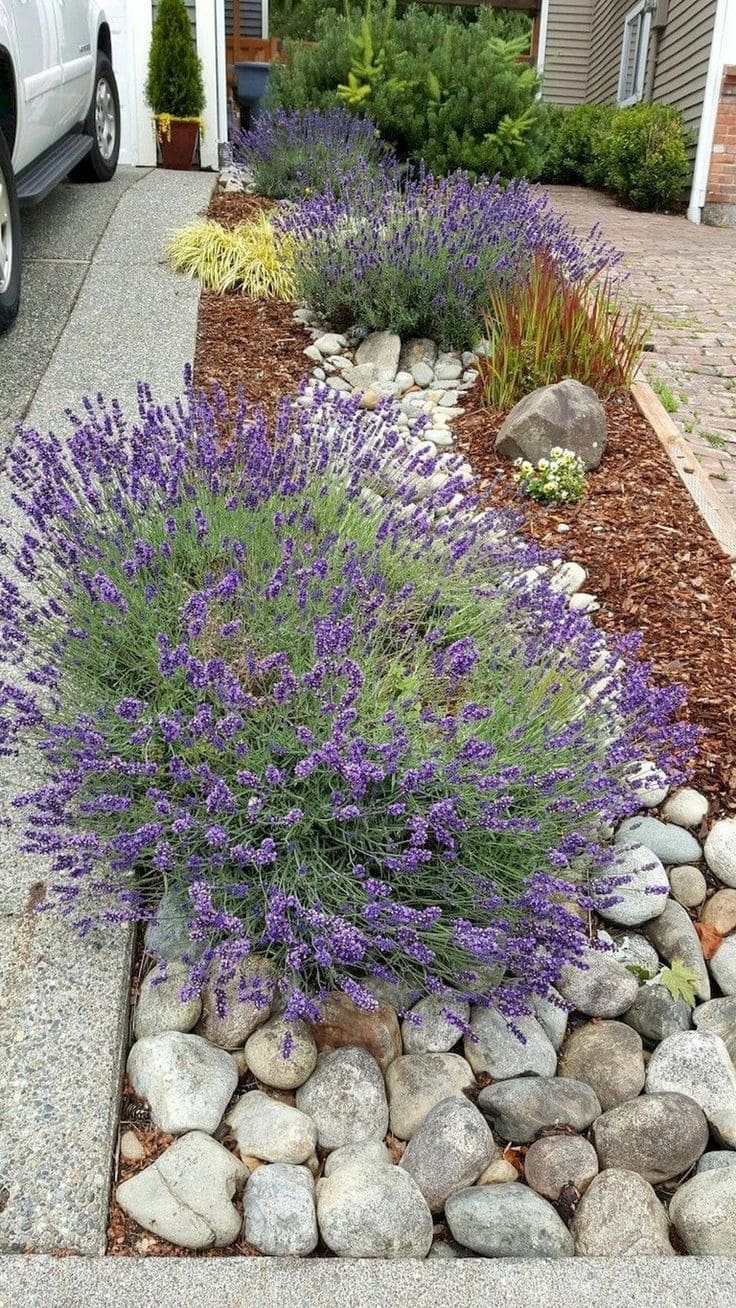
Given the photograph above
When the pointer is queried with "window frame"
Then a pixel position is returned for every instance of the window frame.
(641, 10)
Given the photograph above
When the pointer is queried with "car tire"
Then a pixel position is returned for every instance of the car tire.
(103, 125)
(9, 240)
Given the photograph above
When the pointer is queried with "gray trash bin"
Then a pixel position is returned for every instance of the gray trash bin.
(250, 89)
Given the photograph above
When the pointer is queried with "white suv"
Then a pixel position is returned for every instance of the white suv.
(59, 113)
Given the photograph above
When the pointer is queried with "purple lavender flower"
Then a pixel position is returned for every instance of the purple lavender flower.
(338, 728)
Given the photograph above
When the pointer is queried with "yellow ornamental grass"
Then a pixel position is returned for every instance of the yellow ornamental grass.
(251, 257)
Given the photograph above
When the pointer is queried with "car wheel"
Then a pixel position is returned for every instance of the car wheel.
(103, 125)
(9, 240)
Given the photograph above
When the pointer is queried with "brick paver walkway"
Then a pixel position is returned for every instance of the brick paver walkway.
(686, 276)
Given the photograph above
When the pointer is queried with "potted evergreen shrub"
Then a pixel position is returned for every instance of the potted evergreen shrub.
(174, 89)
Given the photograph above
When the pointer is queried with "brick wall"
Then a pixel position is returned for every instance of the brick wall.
(722, 173)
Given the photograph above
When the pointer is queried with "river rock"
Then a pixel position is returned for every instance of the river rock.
(671, 844)
(271, 1131)
(330, 344)
(265, 1058)
(649, 784)
(644, 895)
(720, 850)
(674, 937)
(185, 1195)
(720, 911)
(656, 1015)
(689, 886)
(417, 1082)
(507, 1221)
(718, 1017)
(620, 1216)
(186, 1083)
(373, 1212)
(369, 1153)
(685, 807)
(279, 1217)
(557, 1162)
(498, 1172)
(703, 1212)
(419, 349)
(657, 1135)
(502, 1053)
(167, 936)
(552, 1015)
(451, 1148)
(346, 1098)
(382, 349)
(437, 1033)
(566, 414)
(344, 1024)
(698, 1066)
(242, 1015)
(160, 1007)
(633, 951)
(607, 1056)
(716, 1158)
(518, 1110)
(397, 994)
(723, 966)
(603, 989)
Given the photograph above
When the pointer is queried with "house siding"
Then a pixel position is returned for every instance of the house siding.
(607, 31)
(567, 51)
(251, 19)
(682, 60)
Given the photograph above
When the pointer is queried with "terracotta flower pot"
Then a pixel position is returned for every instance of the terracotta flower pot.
(177, 143)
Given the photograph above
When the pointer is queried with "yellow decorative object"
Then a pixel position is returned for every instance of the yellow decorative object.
(163, 124)
(251, 257)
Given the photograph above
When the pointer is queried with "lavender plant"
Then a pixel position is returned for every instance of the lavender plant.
(292, 155)
(303, 682)
(421, 260)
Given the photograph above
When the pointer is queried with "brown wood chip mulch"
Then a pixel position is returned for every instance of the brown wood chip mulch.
(247, 345)
(653, 565)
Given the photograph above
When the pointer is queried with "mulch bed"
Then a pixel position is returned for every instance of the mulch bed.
(245, 346)
(653, 565)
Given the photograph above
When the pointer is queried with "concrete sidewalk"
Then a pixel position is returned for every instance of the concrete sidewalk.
(63, 1003)
(338, 1283)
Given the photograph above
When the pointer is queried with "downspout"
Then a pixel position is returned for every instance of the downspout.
(543, 19)
(725, 14)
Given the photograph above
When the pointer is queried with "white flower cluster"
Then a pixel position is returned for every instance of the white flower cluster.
(560, 479)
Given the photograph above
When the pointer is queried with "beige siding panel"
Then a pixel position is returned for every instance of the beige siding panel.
(682, 59)
(567, 52)
(607, 34)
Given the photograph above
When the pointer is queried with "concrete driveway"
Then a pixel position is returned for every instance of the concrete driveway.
(99, 304)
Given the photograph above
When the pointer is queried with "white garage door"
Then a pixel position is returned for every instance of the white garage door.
(116, 12)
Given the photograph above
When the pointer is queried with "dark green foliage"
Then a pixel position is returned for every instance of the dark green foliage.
(450, 92)
(298, 19)
(575, 155)
(174, 85)
(645, 156)
(639, 153)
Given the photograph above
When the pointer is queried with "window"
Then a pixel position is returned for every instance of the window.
(634, 53)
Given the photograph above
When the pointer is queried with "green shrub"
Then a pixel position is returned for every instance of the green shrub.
(574, 152)
(174, 85)
(644, 154)
(449, 92)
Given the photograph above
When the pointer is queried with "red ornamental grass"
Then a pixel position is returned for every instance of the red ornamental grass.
(549, 327)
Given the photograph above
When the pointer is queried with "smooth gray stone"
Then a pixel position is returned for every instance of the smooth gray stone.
(620, 1216)
(517, 1110)
(279, 1217)
(452, 1147)
(373, 1212)
(507, 1221)
(658, 1136)
(674, 937)
(671, 844)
